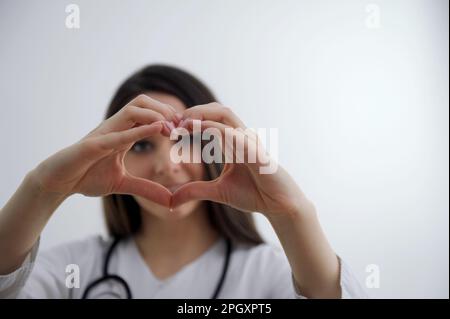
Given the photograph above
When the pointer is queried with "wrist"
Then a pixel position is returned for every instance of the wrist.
(303, 210)
(34, 186)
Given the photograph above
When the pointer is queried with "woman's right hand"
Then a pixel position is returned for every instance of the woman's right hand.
(94, 165)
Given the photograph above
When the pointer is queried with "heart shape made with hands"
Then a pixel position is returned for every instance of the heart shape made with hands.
(175, 195)
(224, 186)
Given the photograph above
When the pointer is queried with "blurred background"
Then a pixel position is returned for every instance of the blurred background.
(357, 89)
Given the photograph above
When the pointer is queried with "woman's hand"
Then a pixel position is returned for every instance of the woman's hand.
(241, 185)
(94, 165)
(314, 264)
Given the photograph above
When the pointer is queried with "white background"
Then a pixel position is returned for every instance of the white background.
(362, 112)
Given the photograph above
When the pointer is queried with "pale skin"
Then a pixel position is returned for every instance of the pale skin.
(129, 154)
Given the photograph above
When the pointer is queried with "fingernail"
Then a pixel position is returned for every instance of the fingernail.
(186, 121)
(165, 129)
(171, 125)
(181, 123)
(179, 116)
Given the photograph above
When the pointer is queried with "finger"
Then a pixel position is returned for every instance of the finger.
(214, 112)
(129, 117)
(116, 140)
(145, 101)
(193, 124)
(200, 190)
(223, 128)
(141, 110)
(155, 192)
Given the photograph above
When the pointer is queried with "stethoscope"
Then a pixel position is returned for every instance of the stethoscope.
(118, 279)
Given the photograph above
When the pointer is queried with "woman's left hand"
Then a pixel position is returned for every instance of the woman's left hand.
(314, 264)
(241, 185)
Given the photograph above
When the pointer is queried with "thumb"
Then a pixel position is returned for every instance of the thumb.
(201, 190)
(155, 192)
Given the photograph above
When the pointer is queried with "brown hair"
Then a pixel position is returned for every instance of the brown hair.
(122, 212)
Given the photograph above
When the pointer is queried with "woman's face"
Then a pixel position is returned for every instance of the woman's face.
(150, 159)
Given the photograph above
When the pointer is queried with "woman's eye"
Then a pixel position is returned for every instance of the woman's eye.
(142, 146)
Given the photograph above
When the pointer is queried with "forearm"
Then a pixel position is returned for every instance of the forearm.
(314, 264)
(22, 219)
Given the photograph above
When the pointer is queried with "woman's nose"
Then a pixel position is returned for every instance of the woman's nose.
(163, 165)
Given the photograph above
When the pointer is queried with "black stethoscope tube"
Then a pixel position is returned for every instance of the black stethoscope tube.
(106, 276)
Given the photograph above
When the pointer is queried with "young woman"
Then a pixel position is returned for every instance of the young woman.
(177, 230)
